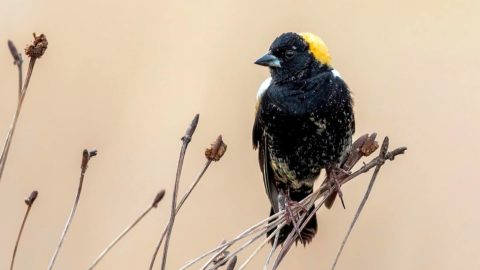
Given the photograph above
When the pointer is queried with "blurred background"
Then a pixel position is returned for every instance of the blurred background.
(126, 77)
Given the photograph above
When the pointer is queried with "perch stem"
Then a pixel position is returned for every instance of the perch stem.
(222, 247)
(86, 157)
(383, 152)
(179, 206)
(13, 125)
(167, 233)
(119, 237)
(19, 236)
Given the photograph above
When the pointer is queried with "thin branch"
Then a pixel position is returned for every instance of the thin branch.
(244, 246)
(29, 202)
(86, 155)
(272, 250)
(36, 50)
(363, 147)
(324, 191)
(383, 152)
(185, 141)
(260, 247)
(292, 235)
(184, 198)
(255, 228)
(154, 204)
(213, 153)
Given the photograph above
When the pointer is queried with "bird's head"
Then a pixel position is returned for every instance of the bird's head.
(292, 56)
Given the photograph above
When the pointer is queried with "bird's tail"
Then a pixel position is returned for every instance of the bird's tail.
(330, 199)
(307, 233)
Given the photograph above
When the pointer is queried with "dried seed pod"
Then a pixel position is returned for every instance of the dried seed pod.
(216, 150)
(31, 199)
(38, 47)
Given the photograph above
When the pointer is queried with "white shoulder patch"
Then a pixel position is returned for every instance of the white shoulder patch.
(263, 87)
(336, 73)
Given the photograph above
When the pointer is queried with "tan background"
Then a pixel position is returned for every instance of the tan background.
(127, 77)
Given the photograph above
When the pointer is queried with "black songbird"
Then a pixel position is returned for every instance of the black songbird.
(304, 122)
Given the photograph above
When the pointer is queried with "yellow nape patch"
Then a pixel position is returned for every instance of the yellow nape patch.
(317, 47)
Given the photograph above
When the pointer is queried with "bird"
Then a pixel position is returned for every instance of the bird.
(304, 122)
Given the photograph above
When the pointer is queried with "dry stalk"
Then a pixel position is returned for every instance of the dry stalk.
(363, 147)
(259, 227)
(213, 153)
(185, 141)
(29, 202)
(154, 204)
(34, 51)
(383, 152)
(376, 162)
(86, 156)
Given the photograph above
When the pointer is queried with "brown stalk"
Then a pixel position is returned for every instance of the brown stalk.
(185, 141)
(154, 204)
(325, 190)
(364, 146)
(259, 228)
(86, 156)
(383, 152)
(29, 202)
(34, 51)
(212, 153)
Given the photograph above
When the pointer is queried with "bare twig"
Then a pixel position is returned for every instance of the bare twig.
(259, 227)
(363, 147)
(325, 190)
(34, 51)
(212, 153)
(383, 152)
(292, 236)
(154, 204)
(185, 141)
(86, 155)
(29, 202)
(260, 247)
(241, 248)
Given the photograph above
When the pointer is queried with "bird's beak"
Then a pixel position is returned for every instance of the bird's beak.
(269, 60)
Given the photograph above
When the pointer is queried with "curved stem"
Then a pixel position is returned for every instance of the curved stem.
(19, 236)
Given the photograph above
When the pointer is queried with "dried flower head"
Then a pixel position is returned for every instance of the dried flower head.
(38, 47)
(158, 198)
(86, 155)
(369, 146)
(216, 150)
(30, 199)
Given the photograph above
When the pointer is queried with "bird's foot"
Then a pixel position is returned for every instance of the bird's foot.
(334, 177)
(290, 206)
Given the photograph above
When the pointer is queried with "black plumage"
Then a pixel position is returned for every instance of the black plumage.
(304, 121)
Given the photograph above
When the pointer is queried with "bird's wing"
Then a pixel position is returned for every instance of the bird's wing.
(268, 175)
(259, 140)
(257, 130)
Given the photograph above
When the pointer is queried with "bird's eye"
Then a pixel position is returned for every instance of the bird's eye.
(289, 54)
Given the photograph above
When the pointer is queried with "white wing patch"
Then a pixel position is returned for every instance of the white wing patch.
(263, 87)
(336, 73)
